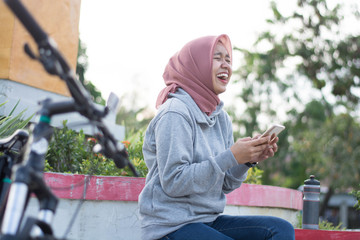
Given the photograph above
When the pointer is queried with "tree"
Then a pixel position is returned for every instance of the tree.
(132, 116)
(307, 69)
(81, 67)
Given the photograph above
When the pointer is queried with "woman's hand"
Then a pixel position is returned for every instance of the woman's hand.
(252, 149)
(270, 151)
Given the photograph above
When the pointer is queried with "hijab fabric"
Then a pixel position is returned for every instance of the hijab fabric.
(191, 70)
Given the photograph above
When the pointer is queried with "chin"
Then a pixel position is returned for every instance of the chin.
(220, 91)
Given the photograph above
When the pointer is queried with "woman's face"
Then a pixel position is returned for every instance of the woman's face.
(221, 70)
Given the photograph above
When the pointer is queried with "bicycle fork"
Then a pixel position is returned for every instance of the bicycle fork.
(28, 180)
(14, 209)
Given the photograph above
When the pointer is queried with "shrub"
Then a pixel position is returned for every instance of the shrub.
(356, 193)
(323, 225)
(71, 152)
(134, 147)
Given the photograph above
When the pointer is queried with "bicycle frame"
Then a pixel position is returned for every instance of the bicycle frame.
(11, 148)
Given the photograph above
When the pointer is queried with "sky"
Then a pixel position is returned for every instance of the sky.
(129, 43)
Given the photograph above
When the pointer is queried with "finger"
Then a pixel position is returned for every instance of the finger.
(262, 158)
(261, 141)
(274, 140)
(257, 136)
(271, 153)
(261, 148)
(273, 136)
(268, 152)
(245, 139)
(275, 147)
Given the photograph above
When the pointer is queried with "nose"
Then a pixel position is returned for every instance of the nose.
(226, 65)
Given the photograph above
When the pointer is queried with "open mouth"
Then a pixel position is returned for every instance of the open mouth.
(223, 77)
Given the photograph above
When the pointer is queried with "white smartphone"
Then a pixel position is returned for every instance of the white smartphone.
(275, 128)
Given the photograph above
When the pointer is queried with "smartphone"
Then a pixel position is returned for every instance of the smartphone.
(275, 128)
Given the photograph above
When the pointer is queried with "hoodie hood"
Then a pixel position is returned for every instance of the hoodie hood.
(200, 116)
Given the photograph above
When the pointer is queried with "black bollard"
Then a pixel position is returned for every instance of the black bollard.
(311, 203)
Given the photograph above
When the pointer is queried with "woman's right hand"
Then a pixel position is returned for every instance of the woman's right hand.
(249, 149)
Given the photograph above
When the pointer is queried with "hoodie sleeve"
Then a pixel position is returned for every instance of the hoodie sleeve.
(237, 174)
(179, 175)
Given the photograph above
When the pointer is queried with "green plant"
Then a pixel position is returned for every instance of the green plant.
(356, 193)
(134, 146)
(323, 225)
(71, 152)
(298, 223)
(9, 124)
(254, 176)
(66, 150)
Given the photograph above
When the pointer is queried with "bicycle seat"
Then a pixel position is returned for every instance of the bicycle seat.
(19, 135)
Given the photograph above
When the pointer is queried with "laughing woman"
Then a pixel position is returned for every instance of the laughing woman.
(192, 158)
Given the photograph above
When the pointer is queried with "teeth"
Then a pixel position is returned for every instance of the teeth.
(225, 75)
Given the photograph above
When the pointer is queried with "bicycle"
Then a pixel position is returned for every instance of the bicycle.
(28, 175)
(10, 147)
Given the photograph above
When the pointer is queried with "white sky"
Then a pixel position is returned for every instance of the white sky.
(130, 42)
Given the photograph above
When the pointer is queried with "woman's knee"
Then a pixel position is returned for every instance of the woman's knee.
(283, 228)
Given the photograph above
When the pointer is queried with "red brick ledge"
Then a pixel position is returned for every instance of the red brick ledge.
(304, 234)
(71, 186)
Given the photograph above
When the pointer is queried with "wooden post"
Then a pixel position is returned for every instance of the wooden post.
(60, 20)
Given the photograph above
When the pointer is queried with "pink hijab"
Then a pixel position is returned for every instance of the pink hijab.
(191, 70)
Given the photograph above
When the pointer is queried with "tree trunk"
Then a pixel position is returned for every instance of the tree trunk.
(324, 204)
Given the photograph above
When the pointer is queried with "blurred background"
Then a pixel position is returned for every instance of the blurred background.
(296, 62)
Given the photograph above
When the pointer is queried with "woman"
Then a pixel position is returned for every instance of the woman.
(191, 155)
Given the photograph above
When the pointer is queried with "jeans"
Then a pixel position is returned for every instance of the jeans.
(236, 228)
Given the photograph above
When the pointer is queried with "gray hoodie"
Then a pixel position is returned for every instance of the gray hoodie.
(191, 167)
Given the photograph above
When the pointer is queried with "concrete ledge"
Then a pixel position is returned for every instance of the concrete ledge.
(129, 188)
(110, 209)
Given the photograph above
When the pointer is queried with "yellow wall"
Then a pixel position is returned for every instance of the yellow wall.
(60, 20)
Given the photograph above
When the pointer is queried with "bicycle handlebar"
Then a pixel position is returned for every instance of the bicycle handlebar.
(55, 64)
(19, 135)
